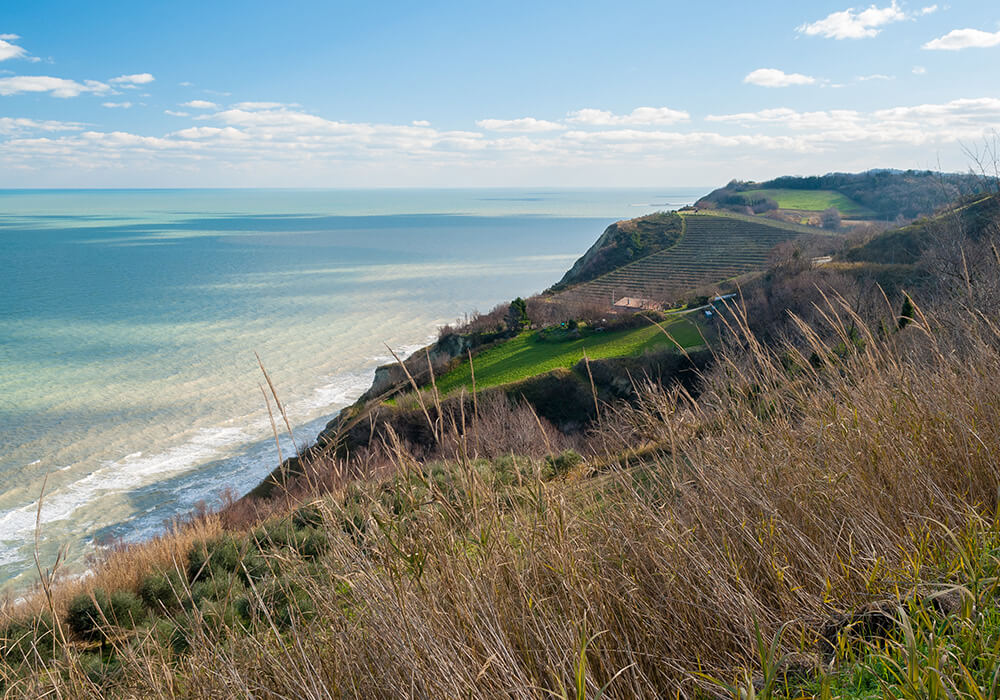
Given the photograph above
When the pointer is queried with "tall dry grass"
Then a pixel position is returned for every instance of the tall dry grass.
(805, 479)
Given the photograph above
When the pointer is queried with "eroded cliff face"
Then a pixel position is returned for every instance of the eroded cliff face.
(390, 377)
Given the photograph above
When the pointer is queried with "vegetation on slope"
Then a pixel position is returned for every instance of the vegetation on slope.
(886, 194)
(817, 494)
(714, 248)
(623, 242)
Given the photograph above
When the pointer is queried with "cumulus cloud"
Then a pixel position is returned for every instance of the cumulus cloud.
(261, 105)
(915, 125)
(173, 113)
(117, 105)
(57, 87)
(774, 78)
(19, 125)
(285, 145)
(640, 116)
(874, 76)
(420, 122)
(207, 132)
(524, 124)
(958, 39)
(854, 24)
(133, 80)
(200, 104)
(9, 50)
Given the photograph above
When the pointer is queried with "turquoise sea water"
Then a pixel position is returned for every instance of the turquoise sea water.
(129, 320)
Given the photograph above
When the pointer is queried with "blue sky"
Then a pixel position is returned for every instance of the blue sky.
(338, 94)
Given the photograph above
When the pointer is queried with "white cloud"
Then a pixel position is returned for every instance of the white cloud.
(117, 105)
(206, 132)
(291, 146)
(8, 50)
(186, 83)
(172, 113)
(640, 116)
(420, 122)
(200, 104)
(58, 87)
(958, 39)
(18, 125)
(262, 105)
(773, 78)
(929, 10)
(919, 70)
(874, 76)
(132, 80)
(853, 24)
(524, 124)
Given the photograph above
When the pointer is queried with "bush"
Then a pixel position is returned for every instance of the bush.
(90, 614)
(307, 516)
(30, 638)
(100, 671)
(162, 591)
(218, 588)
(308, 542)
(562, 463)
(226, 555)
(174, 634)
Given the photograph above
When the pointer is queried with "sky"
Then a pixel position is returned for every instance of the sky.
(323, 93)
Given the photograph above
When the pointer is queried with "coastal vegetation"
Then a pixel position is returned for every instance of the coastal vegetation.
(876, 194)
(808, 507)
(623, 242)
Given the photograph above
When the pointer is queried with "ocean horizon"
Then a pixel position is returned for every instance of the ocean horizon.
(130, 319)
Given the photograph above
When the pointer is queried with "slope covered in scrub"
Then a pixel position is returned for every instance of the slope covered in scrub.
(623, 242)
(786, 525)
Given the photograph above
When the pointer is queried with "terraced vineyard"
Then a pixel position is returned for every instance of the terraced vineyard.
(713, 248)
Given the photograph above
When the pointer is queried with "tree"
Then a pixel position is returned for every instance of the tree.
(830, 218)
(517, 315)
(906, 313)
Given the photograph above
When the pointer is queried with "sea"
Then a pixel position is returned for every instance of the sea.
(131, 322)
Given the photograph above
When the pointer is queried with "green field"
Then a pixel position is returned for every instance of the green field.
(813, 200)
(525, 356)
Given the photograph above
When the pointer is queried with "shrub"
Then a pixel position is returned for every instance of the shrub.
(226, 555)
(173, 633)
(162, 591)
(218, 588)
(30, 638)
(98, 670)
(90, 614)
(308, 515)
(562, 463)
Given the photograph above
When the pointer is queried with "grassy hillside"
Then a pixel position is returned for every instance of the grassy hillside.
(527, 355)
(713, 248)
(882, 194)
(813, 200)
